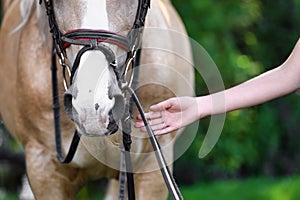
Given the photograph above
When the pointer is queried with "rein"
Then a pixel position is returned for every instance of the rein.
(90, 40)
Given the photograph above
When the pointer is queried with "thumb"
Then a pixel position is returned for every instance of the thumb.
(161, 106)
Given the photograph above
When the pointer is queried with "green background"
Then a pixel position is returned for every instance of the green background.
(246, 38)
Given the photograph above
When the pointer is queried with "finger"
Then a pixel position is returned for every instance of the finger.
(157, 127)
(147, 115)
(143, 129)
(158, 107)
(161, 106)
(154, 115)
(156, 121)
(150, 115)
(139, 117)
(139, 124)
(151, 122)
(164, 131)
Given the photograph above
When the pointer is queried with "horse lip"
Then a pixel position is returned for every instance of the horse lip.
(82, 131)
(68, 106)
(112, 128)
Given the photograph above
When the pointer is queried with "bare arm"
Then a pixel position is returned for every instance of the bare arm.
(267, 86)
(168, 115)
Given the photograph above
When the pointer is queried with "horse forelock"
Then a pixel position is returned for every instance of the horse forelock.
(120, 13)
(26, 7)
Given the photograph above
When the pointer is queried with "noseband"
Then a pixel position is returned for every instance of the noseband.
(96, 40)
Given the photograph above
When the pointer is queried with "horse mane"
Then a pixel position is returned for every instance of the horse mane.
(26, 8)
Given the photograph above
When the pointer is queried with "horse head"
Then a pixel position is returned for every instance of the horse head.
(94, 48)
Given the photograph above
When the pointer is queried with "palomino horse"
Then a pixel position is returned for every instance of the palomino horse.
(25, 92)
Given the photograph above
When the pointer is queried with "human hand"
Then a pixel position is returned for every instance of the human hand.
(170, 115)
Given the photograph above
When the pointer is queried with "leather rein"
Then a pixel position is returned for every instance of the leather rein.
(94, 39)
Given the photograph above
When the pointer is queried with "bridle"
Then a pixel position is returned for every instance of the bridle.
(91, 39)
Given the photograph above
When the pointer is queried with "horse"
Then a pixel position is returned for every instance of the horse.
(25, 92)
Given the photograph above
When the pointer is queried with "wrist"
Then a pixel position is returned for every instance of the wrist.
(204, 104)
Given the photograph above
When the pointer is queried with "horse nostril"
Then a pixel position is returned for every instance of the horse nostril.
(97, 106)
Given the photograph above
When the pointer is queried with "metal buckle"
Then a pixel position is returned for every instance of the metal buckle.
(65, 66)
(128, 64)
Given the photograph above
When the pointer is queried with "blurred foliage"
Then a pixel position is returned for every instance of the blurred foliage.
(249, 189)
(245, 38)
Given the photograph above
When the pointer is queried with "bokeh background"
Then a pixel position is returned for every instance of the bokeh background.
(257, 155)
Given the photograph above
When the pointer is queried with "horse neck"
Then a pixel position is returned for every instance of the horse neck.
(5, 5)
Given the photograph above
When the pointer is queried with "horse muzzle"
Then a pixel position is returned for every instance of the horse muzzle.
(94, 119)
(94, 100)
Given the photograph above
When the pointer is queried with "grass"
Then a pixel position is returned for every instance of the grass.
(249, 189)
(8, 196)
(246, 189)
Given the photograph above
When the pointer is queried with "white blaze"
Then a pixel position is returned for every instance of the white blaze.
(92, 82)
(92, 79)
(96, 15)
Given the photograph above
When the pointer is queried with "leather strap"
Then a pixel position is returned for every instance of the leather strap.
(57, 123)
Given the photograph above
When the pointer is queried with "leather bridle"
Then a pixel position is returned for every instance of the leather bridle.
(96, 40)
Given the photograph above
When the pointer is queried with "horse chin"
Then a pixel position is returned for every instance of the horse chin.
(110, 130)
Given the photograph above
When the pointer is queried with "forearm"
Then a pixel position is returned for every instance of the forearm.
(268, 86)
(272, 84)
